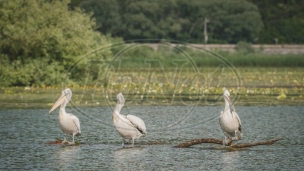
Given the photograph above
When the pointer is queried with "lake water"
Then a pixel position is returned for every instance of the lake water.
(24, 133)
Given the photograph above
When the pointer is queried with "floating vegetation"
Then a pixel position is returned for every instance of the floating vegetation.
(255, 86)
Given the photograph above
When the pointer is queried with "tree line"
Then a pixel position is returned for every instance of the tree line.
(42, 39)
(229, 21)
(283, 20)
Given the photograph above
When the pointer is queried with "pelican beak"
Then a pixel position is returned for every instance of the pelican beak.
(228, 99)
(58, 102)
(230, 103)
(120, 99)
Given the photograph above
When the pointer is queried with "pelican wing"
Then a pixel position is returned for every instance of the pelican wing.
(76, 122)
(138, 123)
(233, 108)
(238, 119)
(221, 118)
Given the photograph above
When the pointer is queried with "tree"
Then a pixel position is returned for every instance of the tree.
(230, 21)
(107, 15)
(282, 19)
(46, 31)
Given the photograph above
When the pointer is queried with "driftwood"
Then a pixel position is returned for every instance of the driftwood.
(218, 141)
(202, 140)
(59, 141)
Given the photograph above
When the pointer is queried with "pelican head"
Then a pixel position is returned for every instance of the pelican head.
(65, 97)
(227, 95)
(120, 99)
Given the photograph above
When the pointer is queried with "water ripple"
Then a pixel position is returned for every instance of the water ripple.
(25, 132)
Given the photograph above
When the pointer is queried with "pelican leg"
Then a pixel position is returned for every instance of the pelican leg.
(123, 142)
(236, 137)
(73, 142)
(132, 142)
(226, 141)
(64, 140)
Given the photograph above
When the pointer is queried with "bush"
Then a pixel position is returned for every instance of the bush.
(40, 40)
(244, 48)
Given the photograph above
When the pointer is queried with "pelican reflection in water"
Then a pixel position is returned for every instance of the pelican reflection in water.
(230, 121)
(68, 123)
(129, 126)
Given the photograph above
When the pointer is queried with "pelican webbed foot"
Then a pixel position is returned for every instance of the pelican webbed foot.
(64, 141)
(68, 143)
(235, 138)
(71, 143)
(226, 142)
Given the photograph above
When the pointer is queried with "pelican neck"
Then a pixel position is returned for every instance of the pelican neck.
(227, 106)
(118, 108)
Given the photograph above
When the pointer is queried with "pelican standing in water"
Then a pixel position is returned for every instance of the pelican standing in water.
(230, 121)
(129, 126)
(69, 123)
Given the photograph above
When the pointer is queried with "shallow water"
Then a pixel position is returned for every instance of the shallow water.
(24, 133)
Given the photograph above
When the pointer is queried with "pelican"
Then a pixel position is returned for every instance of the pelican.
(130, 126)
(69, 123)
(230, 121)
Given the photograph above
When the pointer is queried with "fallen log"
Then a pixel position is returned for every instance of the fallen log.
(218, 141)
(268, 142)
(59, 141)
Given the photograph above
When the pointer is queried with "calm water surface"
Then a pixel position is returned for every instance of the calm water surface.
(24, 133)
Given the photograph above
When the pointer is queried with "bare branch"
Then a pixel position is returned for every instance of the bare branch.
(218, 141)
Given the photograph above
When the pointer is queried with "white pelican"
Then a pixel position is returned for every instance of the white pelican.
(130, 126)
(69, 123)
(230, 121)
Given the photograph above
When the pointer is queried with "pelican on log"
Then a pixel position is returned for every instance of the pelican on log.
(230, 121)
(128, 126)
(68, 122)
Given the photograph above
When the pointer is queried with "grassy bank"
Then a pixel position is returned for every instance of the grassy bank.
(254, 86)
(40, 72)
(244, 57)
